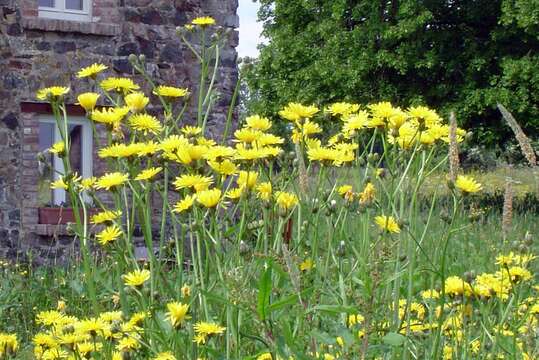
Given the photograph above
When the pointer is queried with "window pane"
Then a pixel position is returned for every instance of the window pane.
(74, 4)
(47, 3)
(75, 152)
(45, 164)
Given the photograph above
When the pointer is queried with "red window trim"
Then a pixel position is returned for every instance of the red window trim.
(44, 108)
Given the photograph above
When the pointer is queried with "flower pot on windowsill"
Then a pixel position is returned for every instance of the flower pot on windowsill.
(59, 215)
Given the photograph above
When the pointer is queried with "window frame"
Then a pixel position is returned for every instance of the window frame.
(87, 143)
(59, 11)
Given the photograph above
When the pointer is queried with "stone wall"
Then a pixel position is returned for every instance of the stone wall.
(37, 52)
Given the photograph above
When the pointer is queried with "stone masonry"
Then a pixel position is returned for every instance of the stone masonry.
(36, 52)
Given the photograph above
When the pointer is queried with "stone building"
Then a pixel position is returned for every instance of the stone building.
(44, 43)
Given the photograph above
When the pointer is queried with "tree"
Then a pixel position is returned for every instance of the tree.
(460, 55)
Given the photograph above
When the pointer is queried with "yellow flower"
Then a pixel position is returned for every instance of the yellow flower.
(197, 182)
(209, 198)
(342, 108)
(109, 116)
(177, 313)
(137, 278)
(264, 191)
(91, 71)
(345, 190)
(203, 21)
(247, 135)
(164, 356)
(59, 184)
(8, 344)
(286, 200)
(467, 184)
(306, 265)
(111, 180)
(387, 223)
(226, 167)
(191, 130)
(105, 216)
(247, 178)
(296, 112)
(88, 100)
(58, 148)
(123, 85)
(136, 101)
(127, 344)
(454, 285)
(236, 193)
(147, 174)
(51, 93)
(186, 291)
(368, 193)
(109, 234)
(145, 123)
(170, 91)
(184, 204)
(257, 122)
(208, 329)
(127, 150)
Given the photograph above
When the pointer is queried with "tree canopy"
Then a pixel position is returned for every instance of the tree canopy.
(462, 56)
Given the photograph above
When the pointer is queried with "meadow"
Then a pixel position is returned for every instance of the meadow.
(361, 240)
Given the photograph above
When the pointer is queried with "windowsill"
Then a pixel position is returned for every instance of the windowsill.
(91, 28)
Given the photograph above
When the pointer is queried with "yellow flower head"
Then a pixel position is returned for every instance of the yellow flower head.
(264, 191)
(209, 198)
(59, 184)
(306, 265)
(145, 123)
(87, 100)
(191, 130)
(345, 190)
(137, 278)
(170, 91)
(164, 356)
(203, 21)
(197, 182)
(467, 184)
(235, 193)
(105, 216)
(295, 112)
(148, 174)
(186, 291)
(225, 167)
(208, 329)
(368, 193)
(8, 344)
(109, 234)
(136, 101)
(387, 223)
(111, 180)
(177, 313)
(121, 85)
(91, 71)
(342, 109)
(58, 148)
(247, 179)
(51, 93)
(286, 200)
(184, 204)
(109, 116)
(247, 135)
(257, 122)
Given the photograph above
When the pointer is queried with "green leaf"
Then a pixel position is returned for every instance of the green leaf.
(335, 309)
(264, 292)
(394, 339)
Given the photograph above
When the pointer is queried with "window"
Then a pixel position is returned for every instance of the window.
(51, 167)
(75, 10)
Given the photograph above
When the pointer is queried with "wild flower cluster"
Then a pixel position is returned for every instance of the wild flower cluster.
(258, 252)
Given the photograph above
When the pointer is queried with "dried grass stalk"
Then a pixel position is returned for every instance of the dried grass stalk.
(507, 216)
(454, 163)
(303, 178)
(523, 141)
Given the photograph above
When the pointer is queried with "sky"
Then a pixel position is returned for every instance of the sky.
(249, 29)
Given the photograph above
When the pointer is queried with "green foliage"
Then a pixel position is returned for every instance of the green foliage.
(461, 56)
